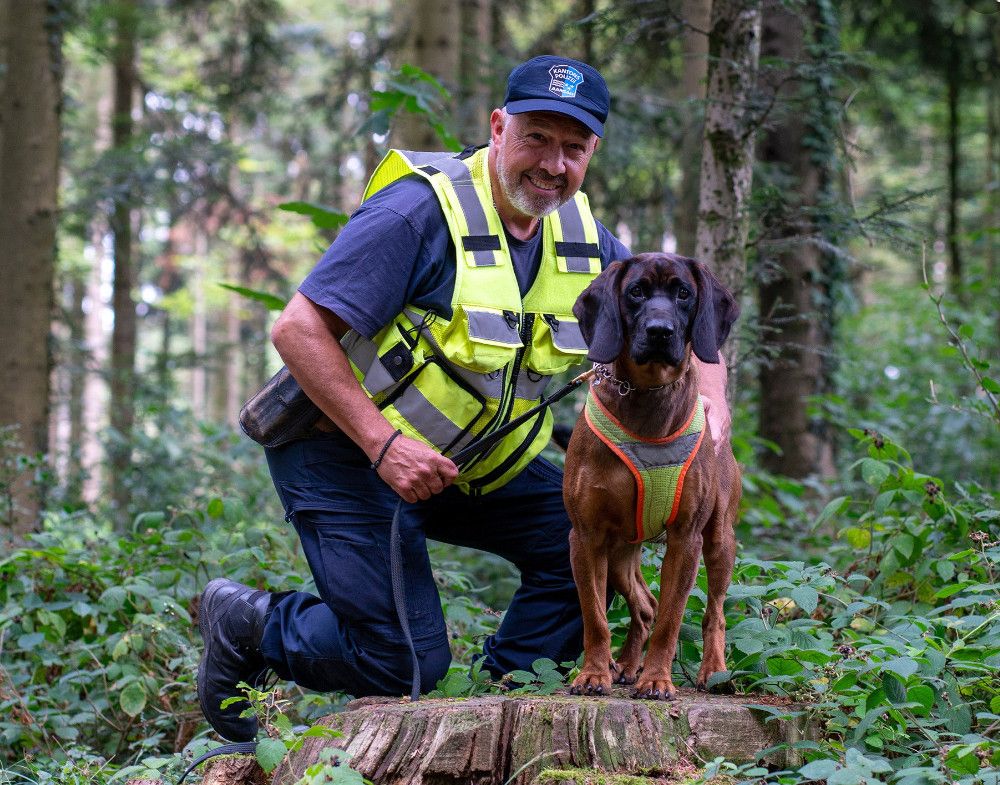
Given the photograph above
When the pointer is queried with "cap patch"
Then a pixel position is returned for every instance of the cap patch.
(565, 80)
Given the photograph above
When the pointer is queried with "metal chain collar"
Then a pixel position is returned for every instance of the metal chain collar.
(626, 387)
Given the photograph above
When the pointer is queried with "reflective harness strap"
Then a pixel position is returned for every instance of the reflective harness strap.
(658, 465)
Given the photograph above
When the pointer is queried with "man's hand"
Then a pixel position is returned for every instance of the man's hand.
(415, 471)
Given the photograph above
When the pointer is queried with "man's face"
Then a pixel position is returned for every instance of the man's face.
(541, 159)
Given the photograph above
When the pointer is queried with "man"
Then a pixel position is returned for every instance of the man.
(438, 315)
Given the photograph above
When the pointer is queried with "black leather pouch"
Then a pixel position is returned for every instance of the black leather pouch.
(279, 412)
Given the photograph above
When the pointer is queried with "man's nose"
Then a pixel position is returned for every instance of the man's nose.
(553, 161)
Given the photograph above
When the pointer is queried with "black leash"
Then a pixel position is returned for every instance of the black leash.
(240, 748)
(486, 442)
(399, 597)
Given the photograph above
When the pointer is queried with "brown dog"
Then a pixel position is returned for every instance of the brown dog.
(642, 318)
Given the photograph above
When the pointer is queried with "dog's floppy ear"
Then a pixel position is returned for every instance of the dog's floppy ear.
(599, 315)
(717, 312)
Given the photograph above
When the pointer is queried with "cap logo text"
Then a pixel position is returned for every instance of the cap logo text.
(564, 80)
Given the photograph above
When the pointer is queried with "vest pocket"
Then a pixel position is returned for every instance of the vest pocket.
(478, 338)
(556, 344)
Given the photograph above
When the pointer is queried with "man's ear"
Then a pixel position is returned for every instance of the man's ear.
(717, 311)
(599, 314)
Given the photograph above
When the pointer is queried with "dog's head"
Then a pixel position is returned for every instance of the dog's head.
(652, 306)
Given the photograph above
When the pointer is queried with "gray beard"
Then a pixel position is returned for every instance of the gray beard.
(528, 204)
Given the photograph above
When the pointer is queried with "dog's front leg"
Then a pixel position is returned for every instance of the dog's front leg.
(680, 567)
(625, 575)
(590, 571)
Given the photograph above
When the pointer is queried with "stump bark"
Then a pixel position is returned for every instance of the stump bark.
(527, 740)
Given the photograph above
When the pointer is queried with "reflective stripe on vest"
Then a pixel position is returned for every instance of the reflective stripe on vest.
(658, 465)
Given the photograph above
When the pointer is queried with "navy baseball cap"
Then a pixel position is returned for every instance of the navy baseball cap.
(559, 84)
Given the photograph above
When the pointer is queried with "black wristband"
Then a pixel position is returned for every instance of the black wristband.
(378, 461)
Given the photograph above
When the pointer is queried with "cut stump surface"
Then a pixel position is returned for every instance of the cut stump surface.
(492, 740)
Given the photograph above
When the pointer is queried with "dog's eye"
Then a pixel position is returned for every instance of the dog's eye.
(635, 291)
(683, 293)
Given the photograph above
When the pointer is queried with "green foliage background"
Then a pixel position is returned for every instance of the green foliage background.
(887, 620)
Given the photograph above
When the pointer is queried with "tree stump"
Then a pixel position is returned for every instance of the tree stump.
(527, 740)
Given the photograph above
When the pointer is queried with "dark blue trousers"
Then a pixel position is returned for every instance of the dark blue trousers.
(349, 638)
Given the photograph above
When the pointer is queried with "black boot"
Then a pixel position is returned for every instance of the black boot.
(231, 618)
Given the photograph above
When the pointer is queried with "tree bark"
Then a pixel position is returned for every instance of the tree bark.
(727, 150)
(30, 98)
(529, 739)
(697, 15)
(431, 44)
(791, 279)
(123, 336)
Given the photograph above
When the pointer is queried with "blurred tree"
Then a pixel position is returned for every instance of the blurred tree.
(696, 16)
(123, 337)
(727, 153)
(30, 102)
(797, 154)
(430, 33)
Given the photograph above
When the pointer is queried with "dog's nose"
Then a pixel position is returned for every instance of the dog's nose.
(660, 329)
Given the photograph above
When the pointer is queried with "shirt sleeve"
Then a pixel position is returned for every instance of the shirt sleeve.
(610, 246)
(383, 257)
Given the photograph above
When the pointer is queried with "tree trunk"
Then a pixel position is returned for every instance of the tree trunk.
(727, 151)
(123, 336)
(954, 163)
(519, 740)
(791, 286)
(474, 100)
(697, 15)
(432, 44)
(30, 88)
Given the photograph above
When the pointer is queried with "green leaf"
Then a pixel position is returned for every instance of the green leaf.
(780, 667)
(904, 666)
(818, 769)
(856, 537)
(322, 217)
(273, 302)
(806, 597)
(894, 688)
(995, 704)
(991, 385)
(270, 752)
(216, 508)
(132, 699)
(873, 472)
(30, 641)
(923, 695)
(960, 760)
(833, 507)
(945, 569)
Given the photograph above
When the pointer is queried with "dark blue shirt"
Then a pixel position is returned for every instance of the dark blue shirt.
(396, 250)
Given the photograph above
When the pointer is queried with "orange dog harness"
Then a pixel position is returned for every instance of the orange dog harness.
(658, 465)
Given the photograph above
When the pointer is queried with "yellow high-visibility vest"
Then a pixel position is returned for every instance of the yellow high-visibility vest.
(447, 381)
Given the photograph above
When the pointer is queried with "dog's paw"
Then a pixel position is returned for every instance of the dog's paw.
(654, 689)
(627, 674)
(591, 684)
